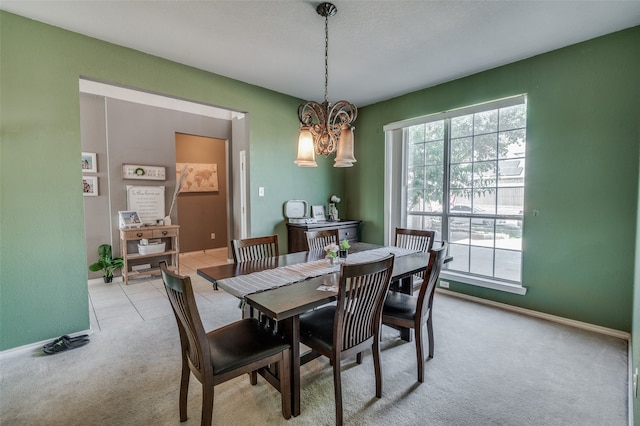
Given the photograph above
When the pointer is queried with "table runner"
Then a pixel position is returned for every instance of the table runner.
(255, 282)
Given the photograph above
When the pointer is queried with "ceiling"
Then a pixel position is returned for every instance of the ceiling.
(377, 49)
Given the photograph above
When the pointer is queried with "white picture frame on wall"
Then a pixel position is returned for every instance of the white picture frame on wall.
(90, 186)
(89, 162)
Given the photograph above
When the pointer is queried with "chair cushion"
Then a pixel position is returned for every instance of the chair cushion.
(400, 305)
(241, 343)
(316, 328)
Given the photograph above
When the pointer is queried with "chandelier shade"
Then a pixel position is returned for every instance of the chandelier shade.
(326, 126)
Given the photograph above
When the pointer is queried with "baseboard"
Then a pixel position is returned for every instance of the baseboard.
(554, 318)
(37, 345)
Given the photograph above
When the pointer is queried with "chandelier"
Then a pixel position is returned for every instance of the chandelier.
(325, 128)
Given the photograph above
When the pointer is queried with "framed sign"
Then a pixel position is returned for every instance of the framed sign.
(137, 171)
(317, 212)
(147, 201)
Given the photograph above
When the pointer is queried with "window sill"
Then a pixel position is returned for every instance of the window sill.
(483, 282)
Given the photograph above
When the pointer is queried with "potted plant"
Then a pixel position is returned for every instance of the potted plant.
(344, 248)
(106, 263)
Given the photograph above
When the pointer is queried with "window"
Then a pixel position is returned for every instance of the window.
(462, 175)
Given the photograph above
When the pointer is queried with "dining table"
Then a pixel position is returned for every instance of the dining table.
(282, 288)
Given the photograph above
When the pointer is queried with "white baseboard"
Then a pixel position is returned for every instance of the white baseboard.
(561, 320)
(37, 345)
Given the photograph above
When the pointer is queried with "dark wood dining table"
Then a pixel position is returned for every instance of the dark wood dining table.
(285, 304)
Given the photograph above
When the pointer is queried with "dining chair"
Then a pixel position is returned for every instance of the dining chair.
(224, 353)
(353, 324)
(255, 248)
(318, 240)
(415, 239)
(415, 312)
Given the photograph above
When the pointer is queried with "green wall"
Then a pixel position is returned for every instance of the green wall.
(43, 281)
(582, 172)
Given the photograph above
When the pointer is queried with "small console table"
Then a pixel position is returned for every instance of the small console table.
(298, 241)
(129, 240)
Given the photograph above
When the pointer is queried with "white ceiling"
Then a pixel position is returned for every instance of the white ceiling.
(377, 49)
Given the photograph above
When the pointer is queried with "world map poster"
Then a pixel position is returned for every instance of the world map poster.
(198, 177)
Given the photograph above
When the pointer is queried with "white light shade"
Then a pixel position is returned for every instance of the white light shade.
(306, 150)
(344, 153)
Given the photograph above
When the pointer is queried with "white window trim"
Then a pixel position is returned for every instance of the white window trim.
(483, 282)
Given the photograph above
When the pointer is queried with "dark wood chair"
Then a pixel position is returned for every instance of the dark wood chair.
(255, 248)
(222, 354)
(415, 312)
(353, 325)
(415, 239)
(318, 240)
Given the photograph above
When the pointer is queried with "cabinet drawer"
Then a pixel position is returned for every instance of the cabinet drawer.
(160, 233)
(350, 233)
(136, 234)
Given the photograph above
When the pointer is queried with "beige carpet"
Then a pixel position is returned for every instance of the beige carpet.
(491, 367)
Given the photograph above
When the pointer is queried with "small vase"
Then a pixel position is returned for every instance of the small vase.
(343, 254)
(333, 260)
(107, 279)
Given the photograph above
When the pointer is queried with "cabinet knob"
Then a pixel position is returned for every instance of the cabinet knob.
(346, 233)
(165, 232)
(139, 234)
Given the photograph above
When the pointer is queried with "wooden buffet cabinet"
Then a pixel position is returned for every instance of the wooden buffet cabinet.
(298, 241)
(129, 239)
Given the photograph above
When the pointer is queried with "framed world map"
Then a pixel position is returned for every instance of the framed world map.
(198, 177)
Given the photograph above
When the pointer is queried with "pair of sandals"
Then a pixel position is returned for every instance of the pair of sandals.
(64, 343)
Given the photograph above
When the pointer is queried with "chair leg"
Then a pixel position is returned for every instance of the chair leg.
(337, 386)
(420, 352)
(207, 404)
(430, 331)
(184, 389)
(285, 384)
(359, 358)
(253, 377)
(377, 366)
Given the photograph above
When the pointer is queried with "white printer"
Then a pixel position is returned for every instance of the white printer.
(296, 212)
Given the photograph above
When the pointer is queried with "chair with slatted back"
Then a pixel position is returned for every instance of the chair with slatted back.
(353, 324)
(222, 354)
(416, 312)
(415, 239)
(255, 248)
(318, 240)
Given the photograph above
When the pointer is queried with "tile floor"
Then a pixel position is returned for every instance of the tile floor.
(144, 299)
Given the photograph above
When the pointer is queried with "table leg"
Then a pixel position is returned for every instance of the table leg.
(406, 286)
(292, 332)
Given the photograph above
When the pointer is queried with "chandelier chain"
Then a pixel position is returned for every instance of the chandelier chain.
(326, 58)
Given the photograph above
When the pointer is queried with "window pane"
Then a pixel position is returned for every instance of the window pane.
(511, 144)
(416, 133)
(485, 147)
(461, 175)
(461, 150)
(508, 265)
(484, 176)
(415, 156)
(513, 117)
(434, 152)
(462, 126)
(485, 122)
(481, 261)
(460, 254)
(434, 131)
(509, 234)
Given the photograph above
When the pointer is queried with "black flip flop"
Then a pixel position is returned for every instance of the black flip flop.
(66, 338)
(61, 345)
